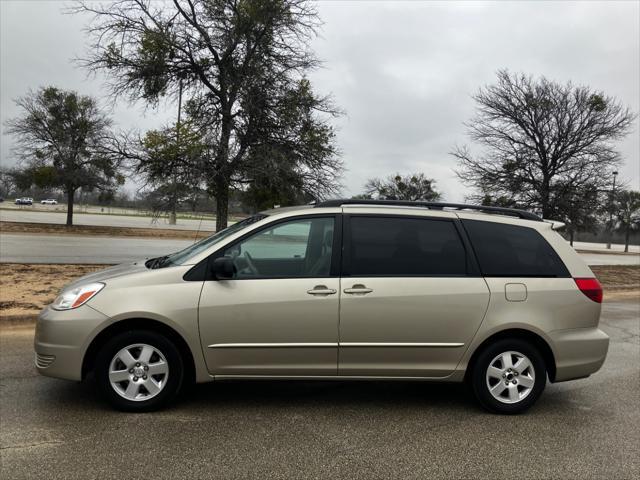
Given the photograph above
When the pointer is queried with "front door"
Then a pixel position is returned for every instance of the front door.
(411, 297)
(278, 316)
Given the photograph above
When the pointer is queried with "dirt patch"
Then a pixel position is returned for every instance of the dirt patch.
(631, 295)
(96, 230)
(619, 282)
(26, 289)
(618, 277)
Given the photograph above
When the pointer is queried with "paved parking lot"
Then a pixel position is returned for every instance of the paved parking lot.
(584, 429)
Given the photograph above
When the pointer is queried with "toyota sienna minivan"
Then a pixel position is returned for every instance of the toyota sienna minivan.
(339, 290)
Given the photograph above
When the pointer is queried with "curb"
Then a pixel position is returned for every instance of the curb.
(607, 252)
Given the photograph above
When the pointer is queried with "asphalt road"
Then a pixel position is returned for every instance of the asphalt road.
(616, 247)
(578, 430)
(609, 259)
(30, 248)
(27, 215)
(15, 248)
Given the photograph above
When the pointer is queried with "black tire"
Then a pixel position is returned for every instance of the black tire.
(479, 376)
(175, 376)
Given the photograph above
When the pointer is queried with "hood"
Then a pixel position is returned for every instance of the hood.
(111, 272)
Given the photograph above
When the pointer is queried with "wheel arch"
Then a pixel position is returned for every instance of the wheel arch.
(527, 335)
(120, 326)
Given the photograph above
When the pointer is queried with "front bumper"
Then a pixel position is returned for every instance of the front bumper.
(62, 338)
(579, 352)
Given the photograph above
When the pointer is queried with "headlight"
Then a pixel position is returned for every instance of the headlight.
(75, 297)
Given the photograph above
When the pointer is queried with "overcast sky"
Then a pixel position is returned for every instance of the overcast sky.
(403, 71)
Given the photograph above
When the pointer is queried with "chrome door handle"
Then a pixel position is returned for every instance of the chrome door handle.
(358, 289)
(321, 290)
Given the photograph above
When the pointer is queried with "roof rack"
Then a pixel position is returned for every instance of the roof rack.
(513, 212)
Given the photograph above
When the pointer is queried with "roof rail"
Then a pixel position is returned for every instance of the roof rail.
(513, 212)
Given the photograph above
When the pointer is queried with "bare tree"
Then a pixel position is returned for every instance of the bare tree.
(243, 66)
(59, 136)
(413, 187)
(541, 141)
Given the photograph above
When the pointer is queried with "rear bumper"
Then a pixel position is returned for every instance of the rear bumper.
(61, 340)
(579, 352)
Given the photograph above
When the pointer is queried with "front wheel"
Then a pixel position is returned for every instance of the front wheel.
(508, 376)
(139, 371)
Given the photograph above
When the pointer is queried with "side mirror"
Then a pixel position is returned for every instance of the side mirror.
(223, 268)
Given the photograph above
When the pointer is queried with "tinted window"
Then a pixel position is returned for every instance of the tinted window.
(513, 251)
(299, 248)
(400, 246)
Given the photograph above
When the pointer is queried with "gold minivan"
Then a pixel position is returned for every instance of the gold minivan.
(340, 290)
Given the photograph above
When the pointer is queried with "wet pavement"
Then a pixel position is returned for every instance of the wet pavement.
(579, 430)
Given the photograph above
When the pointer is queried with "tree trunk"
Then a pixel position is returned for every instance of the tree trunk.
(222, 203)
(70, 194)
(222, 165)
(544, 197)
(173, 216)
(626, 238)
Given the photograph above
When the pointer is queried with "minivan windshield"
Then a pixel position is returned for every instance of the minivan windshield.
(183, 256)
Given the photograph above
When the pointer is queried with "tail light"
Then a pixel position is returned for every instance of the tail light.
(591, 288)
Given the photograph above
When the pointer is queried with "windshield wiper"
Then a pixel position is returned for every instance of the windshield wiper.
(156, 262)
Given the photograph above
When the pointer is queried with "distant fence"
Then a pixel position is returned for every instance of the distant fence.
(603, 237)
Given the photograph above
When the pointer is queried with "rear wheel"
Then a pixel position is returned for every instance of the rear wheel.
(139, 371)
(508, 376)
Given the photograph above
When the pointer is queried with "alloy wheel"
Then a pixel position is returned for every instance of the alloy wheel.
(510, 377)
(138, 372)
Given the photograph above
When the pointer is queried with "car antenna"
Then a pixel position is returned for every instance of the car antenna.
(198, 230)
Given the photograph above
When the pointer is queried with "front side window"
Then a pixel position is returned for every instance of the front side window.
(184, 257)
(404, 246)
(505, 250)
(298, 248)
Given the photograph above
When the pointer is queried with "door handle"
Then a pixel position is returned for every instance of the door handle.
(321, 290)
(358, 289)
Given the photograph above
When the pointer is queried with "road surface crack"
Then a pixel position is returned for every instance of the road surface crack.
(29, 445)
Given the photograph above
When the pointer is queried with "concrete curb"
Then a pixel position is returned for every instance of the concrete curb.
(607, 252)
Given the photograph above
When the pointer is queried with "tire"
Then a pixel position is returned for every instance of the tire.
(139, 371)
(493, 382)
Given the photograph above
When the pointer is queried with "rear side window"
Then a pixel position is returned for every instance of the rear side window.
(404, 246)
(513, 251)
